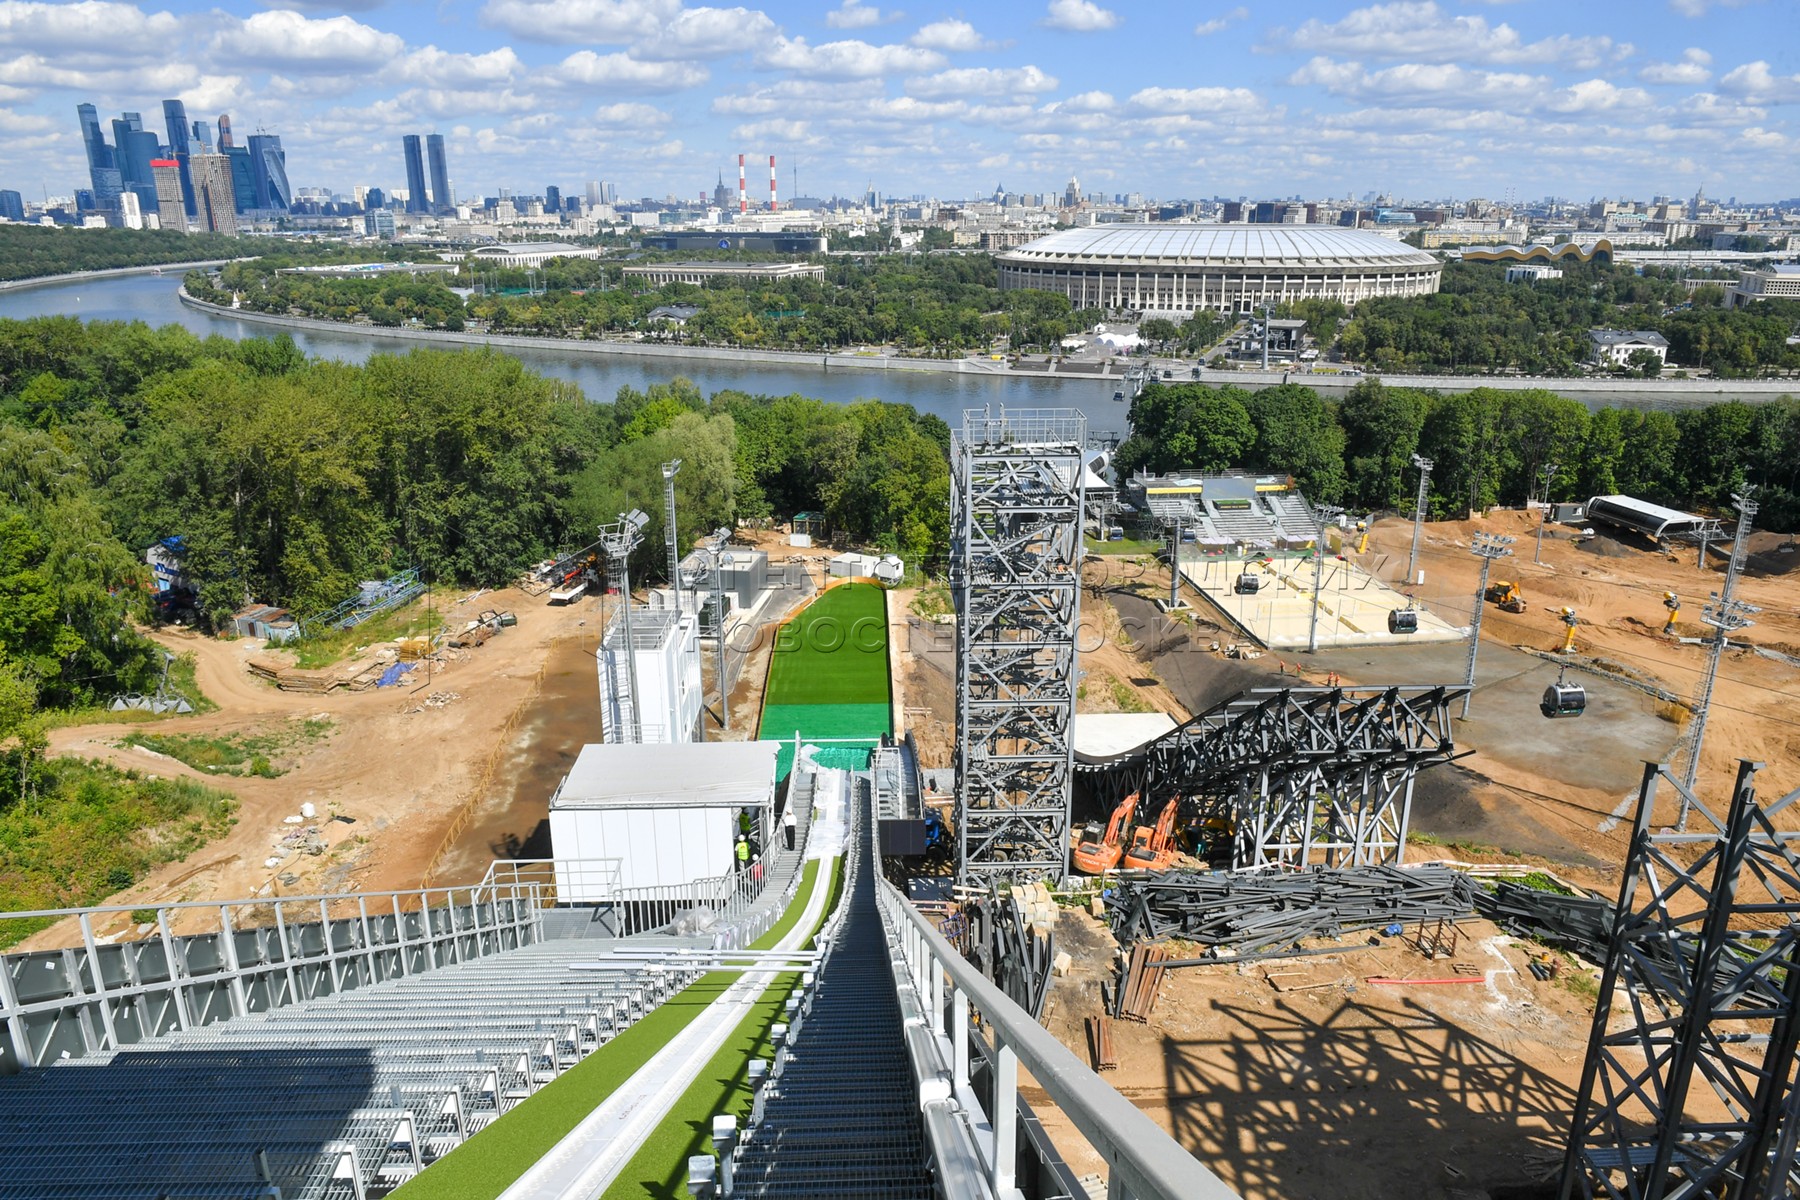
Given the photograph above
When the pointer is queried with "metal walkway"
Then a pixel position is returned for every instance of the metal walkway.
(839, 1115)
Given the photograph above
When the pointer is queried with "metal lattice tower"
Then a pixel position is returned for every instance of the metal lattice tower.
(1550, 470)
(1412, 563)
(1487, 547)
(619, 539)
(1016, 506)
(1726, 614)
(1705, 951)
(670, 537)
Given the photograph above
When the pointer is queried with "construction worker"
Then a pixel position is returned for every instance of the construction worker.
(756, 868)
(744, 821)
(743, 852)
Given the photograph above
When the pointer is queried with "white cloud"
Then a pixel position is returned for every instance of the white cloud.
(1762, 139)
(1592, 96)
(855, 15)
(1698, 8)
(1079, 16)
(442, 68)
(605, 21)
(12, 122)
(88, 26)
(630, 116)
(1218, 23)
(1086, 102)
(708, 33)
(289, 41)
(777, 130)
(1758, 83)
(1692, 70)
(1420, 31)
(621, 72)
(1200, 101)
(983, 81)
(847, 59)
(904, 110)
(470, 102)
(32, 71)
(953, 37)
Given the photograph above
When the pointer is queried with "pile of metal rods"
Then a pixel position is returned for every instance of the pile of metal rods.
(1578, 923)
(1263, 913)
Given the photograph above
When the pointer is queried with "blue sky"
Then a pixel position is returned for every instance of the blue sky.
(1424, 98)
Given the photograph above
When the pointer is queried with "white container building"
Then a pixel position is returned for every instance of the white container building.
(666, 652)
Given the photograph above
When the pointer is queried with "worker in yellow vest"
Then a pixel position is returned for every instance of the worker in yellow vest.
(743, 852)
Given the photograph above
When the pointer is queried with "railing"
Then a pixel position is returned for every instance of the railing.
(703, 903)
(183, 965)
(977, 1129)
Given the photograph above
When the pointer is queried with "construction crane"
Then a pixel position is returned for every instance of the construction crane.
(1097, 850)
(1672, 602)
(569, 576)
(1506, 595)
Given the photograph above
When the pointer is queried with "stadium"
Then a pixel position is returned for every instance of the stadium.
(1223, 268)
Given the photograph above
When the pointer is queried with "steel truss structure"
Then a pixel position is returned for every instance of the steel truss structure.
(1302, 776)
(1016, 509)
(1705, 946)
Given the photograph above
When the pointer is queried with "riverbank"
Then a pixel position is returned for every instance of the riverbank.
(1653, 393)
(14, 285)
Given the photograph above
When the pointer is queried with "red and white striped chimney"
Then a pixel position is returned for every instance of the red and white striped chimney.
(743, 196)
(773, 205)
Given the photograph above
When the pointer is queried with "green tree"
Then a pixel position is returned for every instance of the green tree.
(1297, 434)
(1381, 434)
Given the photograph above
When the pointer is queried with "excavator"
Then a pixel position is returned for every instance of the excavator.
(1153, 846)
(1097, 851)
(1510, 597)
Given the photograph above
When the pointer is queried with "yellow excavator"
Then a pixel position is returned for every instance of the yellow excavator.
(1508, 596)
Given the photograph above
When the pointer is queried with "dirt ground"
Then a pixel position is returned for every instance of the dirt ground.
(1299, 1078)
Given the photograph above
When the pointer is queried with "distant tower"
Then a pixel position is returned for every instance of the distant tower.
(417, 198)
(743, 197)
(721, 197)
(773, 204)
(441, 199)
(175, 118)
(212, 188)
(1072, 193)
(225, 142)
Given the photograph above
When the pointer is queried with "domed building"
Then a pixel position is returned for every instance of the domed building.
(1175, 268)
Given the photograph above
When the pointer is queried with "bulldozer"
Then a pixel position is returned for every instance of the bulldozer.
(1508, 596)
(1153, 846)
(1097, 850)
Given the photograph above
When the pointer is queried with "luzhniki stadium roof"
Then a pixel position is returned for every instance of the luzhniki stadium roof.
(1177, 244)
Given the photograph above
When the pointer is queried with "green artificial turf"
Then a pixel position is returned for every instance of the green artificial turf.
(659, 1168)
(834, 651)
(491, 1161)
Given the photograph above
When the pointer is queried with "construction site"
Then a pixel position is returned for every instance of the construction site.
(1315, 856)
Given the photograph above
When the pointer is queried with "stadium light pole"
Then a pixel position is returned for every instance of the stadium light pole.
(1412, 563)
(620, 539)
(1487, 547)
(1321, 514)
(1537, 555)
(1727, 615)
(673, 540)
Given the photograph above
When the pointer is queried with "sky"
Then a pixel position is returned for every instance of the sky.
(1423, 99)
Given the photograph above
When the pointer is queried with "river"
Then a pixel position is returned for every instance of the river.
(151, 298)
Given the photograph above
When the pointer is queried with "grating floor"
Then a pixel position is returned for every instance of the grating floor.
(842, 1118)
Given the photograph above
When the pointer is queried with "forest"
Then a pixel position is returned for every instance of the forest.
(290, 480)
(28, 251)
(1477, 323)
(1489, 447)
(931, 304)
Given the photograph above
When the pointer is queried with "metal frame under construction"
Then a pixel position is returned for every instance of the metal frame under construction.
(1302, 775)
(1015, 529)
(1705, 949)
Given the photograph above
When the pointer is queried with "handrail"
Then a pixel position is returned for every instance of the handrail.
(517, 891)
(1144, 1162)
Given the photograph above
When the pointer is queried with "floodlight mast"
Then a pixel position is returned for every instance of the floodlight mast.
(619, 539)
(714, 545)
(1321, 514)
(1550, 470)
(670, 536)
(1487, 547)
(1727, 615)
(1412, 563)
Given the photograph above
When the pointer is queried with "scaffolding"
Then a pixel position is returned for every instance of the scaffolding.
(1705, 951)
(1016, 508)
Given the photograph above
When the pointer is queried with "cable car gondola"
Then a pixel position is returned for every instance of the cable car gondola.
(1403, 620)
(1563, 699)
(1248, 584)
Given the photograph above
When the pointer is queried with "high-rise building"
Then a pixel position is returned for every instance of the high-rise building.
(268, 165)
(441, 199)
(378, 222)
(134, 148)
(165, 173)
(203, 141)
(593, 192)
(243, 177)
(131, 216)
(376, 198)
(417, 199)
(225, 131)
(212, 188)
(552, 198)
(103, 167)
(175, 119)
(12, 206)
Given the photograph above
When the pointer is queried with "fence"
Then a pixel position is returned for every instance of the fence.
(714, 900)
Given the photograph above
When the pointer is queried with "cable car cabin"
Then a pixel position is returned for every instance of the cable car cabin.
(1564, 700)
(1403, 620)
(1248, 585)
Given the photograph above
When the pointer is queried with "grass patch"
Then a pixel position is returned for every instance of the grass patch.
(88, 830)
(834, 651)
(181, 682)
(932, 601)
(1414, 838)
(413, 619)
(264, 754)
(1128, 699)
(1125, 547)
(491, 1161)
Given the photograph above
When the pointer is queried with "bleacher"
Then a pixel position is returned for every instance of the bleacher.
(1252, 513)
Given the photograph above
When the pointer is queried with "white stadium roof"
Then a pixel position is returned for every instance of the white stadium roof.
(1224, 244)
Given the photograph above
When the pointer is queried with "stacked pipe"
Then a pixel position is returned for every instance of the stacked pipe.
(1236, 915)
(1578, 923)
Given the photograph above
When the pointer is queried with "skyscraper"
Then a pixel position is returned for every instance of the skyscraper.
(417, 200)
(175, 119)
(165, 174)
(552, 199)
(243, 177)
(12, 206)
(441, 199)
(103, 167)
(225, 131)
(268, 165)
(133, 149)
(212, 188)
(202, 138)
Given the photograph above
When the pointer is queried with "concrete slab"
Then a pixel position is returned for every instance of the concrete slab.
(1353, 604)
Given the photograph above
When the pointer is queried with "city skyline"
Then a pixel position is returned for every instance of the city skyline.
(1424, 98)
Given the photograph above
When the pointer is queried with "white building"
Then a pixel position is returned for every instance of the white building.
(529, 254)
(1614, 347)
(666, 657)
(656, 816)
(1779, 282)
(1531, 273)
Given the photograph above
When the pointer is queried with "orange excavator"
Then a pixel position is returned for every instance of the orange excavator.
(1097, 851)
(1153, 846)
